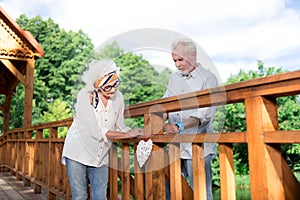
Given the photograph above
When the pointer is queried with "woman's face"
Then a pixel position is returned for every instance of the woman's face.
(108, 90)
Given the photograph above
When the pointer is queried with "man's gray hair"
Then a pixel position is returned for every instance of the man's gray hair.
(189, 45)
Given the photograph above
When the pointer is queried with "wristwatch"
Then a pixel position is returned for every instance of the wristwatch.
(180, 126)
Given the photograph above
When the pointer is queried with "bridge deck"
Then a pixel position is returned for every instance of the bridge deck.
(13, 189)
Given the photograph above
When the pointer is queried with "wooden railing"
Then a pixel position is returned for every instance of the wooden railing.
(37, 160)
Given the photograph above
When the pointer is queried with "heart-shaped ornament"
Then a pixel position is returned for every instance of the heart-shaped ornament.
(143, 151)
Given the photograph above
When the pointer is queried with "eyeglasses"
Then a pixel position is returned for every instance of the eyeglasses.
(108, 88)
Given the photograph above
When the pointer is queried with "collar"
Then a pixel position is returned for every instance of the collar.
(192, 74)
(187, 76)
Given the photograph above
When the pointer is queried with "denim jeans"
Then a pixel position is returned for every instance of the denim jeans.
(98, 177)
(187, 172)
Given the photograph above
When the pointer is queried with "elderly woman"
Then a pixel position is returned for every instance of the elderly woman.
(99, 118)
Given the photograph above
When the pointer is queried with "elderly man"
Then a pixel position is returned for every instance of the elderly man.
(191, 77)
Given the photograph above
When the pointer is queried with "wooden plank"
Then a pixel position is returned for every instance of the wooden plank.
(234, 137)
(62, 175)
(126, 172)
(31, 158)
(28, 93)
(51, 158)
(199, 172)
(149, 179)
(277, 85)
(14, 71)
(56, 163)
(282, 137)
(155, 176)
(291, 184)
(8, 99)
(256, 148)
(175, 172)
(264, 162)
(227, 179)
(113, 173)
(138, 178)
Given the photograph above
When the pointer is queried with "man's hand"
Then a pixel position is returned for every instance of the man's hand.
(171, 128)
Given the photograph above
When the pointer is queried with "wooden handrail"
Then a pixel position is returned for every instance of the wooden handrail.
(285, 84)
(38, 160)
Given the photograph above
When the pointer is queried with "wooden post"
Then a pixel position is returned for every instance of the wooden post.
(227, 178)
(175, 172)
(38, 161)
(265, 166)
(51, 173)
(28, 93)
(138, 179)
(199, 171)
(155, 174)
(6, 110)
(113, 172)
(125, 172)
(27, 161)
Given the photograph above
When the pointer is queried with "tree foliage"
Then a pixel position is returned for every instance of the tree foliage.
(288, 118)
(140, 81)
(57, 80)
(57, 73)
(57, 110)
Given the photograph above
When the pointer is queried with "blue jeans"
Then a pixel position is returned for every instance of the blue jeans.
(98, 177)
(187, 172)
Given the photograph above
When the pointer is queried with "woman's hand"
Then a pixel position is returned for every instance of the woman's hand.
(136, 132)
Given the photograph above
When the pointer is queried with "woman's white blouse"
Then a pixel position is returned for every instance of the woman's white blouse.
(86, 140)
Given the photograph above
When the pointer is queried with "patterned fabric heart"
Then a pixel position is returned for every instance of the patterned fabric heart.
(143, 151)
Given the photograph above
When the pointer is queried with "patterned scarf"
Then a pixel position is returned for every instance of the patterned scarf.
(107, 78)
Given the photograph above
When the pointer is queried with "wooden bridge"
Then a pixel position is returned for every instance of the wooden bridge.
(37, 161)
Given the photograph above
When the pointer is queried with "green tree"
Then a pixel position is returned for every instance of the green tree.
(109, 51)
(140, 81)
(58, 73)
(288, 118)
(57, 110)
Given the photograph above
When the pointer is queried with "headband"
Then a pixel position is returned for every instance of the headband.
(107, 78)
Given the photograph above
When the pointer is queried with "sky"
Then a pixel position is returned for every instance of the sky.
(232, 34)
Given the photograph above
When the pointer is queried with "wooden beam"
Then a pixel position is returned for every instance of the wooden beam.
(199, 172)
(153, 125)
(125, 172)
(282, 137)
(113, 172)
(138, 179)
(291, 184)
(227, 178)
(28, 93)
(175, 172)
(277, 85)
(6, 110)
(14, 71)
(264, 161)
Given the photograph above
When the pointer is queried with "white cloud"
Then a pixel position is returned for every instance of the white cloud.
(234, 33)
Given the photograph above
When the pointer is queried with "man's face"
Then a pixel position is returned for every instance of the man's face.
(183, 60)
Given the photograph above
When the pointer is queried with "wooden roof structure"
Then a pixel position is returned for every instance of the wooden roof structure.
(18, 51)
